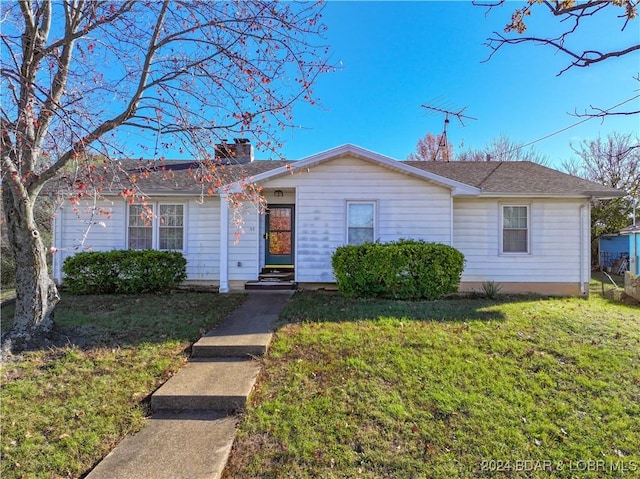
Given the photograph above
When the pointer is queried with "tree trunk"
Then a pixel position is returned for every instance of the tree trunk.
(36, 293)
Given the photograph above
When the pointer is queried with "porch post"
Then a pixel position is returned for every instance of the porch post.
(224, 244)
(56, 265)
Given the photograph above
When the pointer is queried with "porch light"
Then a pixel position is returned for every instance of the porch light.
(278, 193)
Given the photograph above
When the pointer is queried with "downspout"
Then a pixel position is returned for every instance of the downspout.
(224, 244)
(583, 246)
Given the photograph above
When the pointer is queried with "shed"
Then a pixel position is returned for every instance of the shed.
(620, 251)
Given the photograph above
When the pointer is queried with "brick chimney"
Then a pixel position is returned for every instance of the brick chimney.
(237, 153)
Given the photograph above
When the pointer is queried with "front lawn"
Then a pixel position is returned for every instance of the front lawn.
(514, 388)
(65, 407)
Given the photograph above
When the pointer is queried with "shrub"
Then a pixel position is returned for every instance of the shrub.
(124, 271)
(491, 289)
(404, 269)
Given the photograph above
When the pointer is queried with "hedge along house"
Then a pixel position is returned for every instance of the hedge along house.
(520, 224)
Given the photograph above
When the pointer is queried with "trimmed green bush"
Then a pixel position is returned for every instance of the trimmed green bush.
(124, 271)
(404, 269)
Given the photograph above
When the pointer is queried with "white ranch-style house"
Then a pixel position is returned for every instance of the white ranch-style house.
(520, 224)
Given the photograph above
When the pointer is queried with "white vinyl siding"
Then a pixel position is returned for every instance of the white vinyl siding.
(243, 242)
(554, 241)
(88, 226)
(406, 207)
(515, 229)
(360, 222)
(82, 229)
(202, 241)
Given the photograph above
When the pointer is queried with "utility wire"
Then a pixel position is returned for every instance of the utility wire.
(575, 124)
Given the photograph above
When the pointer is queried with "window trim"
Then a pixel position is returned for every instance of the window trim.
(158, 225)
(155, 224)
(502, 252)
(130, 206)
(374, 203)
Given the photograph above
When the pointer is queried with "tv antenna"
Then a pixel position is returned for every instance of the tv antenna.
(443, 143)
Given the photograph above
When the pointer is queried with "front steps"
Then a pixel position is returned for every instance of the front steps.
(192, 428)
(272, 279)
(222, 371)
(204, 384)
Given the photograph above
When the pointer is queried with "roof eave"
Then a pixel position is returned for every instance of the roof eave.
(606, 195)
(575, 194)
(156, 193)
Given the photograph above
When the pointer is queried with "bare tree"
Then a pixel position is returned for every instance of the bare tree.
(572, 17)
(615, 162)
(571, 13)
(432, 148)
(88, 76)
(503, 149)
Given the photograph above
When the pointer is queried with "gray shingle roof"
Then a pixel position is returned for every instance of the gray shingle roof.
(191, 176)
(492, 178)
(168, 177)
(515, 177)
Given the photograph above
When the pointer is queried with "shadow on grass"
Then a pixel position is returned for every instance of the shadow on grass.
(92, 321)
(330, 306)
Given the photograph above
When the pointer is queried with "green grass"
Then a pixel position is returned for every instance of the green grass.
(65, 408)
(604, 283)
(374, 389)
(7, 293)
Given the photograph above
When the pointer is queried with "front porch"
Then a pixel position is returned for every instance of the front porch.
(260, 254)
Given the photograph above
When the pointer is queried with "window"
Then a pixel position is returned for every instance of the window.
(164, 231)
(140, 227)
(515, 229)
(360, 222)
(171, 227)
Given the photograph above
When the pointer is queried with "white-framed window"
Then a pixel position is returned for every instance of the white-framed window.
(361, 222)
(140, 227)
(515, 229)
(156, 226)
(171, 227)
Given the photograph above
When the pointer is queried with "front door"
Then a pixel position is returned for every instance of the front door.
(279, 236)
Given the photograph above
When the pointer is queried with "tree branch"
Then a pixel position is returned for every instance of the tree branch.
(565, 11)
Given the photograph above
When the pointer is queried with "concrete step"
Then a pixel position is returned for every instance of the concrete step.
(278, 269)
(279, 276)
(186, 445)
(271, 285)
(240, 346)
(221, 384)
(247, 332)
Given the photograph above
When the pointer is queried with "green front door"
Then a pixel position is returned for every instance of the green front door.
(279, 236)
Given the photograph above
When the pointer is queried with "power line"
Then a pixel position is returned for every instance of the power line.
(575, 124)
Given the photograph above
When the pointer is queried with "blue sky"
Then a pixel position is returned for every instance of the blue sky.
(395, 56)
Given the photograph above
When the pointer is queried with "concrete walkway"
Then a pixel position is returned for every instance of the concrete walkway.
(192, 429)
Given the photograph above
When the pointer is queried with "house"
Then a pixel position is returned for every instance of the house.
(520, 224)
